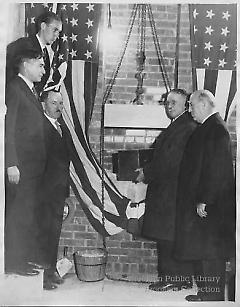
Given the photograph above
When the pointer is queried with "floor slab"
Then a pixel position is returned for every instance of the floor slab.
(102, 293)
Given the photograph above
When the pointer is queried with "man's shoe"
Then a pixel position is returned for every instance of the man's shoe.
(193, 298)
(185, 285)
(40, 265)
(162, 286)
(204, 297)
(23, 272)
(48, 285)
(166, 286)
(55, 278)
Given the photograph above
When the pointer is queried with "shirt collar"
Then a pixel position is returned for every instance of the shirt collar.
(178, 116)
(29, 83)
(52, 120)
(208, 116)
(40, 42)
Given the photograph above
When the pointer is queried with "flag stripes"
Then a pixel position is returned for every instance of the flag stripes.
(86, 177)
(232, 95)
(222, 83)
(213, 32)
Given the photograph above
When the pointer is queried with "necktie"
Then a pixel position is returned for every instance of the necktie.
(35, 92)
(59, 130)
(46, 59)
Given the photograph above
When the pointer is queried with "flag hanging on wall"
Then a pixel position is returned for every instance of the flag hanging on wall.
(75, 70)
(213, 29)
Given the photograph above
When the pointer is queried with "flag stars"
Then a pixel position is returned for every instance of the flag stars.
(226, 15)
(89, 23)
(45, 5)
(60, 57)
(223, 47)
(90, 7)
(66, 20)
(74, 22)
(74, 37)
(210, 14)
(222, 63)
(73, 53)
(225, 31)
(208, 46)
(74, 6)
(63, 7)
(195, 29)
(88, 39)
(32, 19)
(64, 37)
(207, 61)
(88, 54)
(195, 13)
(209, 30)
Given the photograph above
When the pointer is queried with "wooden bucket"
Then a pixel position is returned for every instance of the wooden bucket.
(90, 264)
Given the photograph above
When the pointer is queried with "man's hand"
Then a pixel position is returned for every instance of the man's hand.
(201, 210)
(13, 174)
(140, 177)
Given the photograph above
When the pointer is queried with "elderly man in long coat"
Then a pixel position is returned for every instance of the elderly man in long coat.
(205, 220)
(161, 175)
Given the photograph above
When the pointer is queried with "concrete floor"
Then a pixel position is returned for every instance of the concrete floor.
(27, 291)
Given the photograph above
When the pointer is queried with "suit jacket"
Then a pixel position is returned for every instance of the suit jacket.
(24, 133)
(55, 189)
(206, 176)
(161, 175)
(15, 48)
(58, 152)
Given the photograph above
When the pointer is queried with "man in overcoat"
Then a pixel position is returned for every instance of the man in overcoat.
(205, 219)
(25, 159)
(48, 27)
(161, 175)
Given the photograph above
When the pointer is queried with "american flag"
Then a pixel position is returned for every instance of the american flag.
(75, 69)
(214, 52)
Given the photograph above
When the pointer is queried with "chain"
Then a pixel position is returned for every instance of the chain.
(158, 49)
(112, 80)
(140, 53)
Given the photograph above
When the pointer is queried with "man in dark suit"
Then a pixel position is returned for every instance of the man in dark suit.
(48, 27)
(205, 219)
(55, 183)
(161, 175)
(25, 159)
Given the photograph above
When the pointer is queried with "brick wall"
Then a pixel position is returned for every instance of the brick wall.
(129, 255)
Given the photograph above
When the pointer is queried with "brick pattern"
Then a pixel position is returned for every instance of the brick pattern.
(126, 253)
